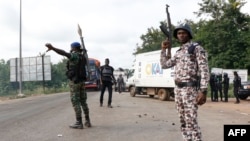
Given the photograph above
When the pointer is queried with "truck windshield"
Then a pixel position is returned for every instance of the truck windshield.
(130, 73)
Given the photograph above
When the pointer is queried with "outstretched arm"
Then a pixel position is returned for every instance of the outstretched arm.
(58, 51)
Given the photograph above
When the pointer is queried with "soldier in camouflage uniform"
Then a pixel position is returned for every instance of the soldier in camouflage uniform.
(78, 94)
(189, 61)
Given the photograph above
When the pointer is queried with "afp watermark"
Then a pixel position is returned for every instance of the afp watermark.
(236, 132)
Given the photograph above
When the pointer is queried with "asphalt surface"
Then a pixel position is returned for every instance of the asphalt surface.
(140, 118)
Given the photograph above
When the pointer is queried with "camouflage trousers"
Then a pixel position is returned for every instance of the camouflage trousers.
(78, 97)
(186, 105)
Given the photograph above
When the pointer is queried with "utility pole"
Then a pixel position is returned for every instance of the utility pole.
(20, 54)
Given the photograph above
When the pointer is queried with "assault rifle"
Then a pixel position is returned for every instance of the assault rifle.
(167, 30)
(84, 51)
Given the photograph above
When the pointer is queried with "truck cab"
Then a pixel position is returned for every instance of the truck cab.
(130, 82)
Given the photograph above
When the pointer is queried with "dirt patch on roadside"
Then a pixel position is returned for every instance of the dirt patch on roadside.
(242, 107)
(6, 98)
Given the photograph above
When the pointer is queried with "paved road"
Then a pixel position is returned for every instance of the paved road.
(140, 118)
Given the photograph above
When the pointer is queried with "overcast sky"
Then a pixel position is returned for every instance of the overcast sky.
(111, 28)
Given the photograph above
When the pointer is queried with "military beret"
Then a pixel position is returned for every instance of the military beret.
(75, 44)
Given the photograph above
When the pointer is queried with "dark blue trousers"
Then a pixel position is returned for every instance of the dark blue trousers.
(107, 84)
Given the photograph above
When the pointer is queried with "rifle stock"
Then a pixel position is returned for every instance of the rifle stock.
(84, 51)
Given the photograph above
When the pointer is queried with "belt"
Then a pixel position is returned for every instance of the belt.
(186, 84)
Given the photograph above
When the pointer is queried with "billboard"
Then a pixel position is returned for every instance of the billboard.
(33, 69)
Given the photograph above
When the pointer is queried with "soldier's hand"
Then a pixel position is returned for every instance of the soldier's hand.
(49, 46)
(201, 98)
(165, 44)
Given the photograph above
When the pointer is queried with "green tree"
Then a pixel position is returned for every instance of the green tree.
(151, 41)
(58, 77)
(4, 77)
(226, 35)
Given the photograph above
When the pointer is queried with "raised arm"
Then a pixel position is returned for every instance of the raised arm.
(58, 51)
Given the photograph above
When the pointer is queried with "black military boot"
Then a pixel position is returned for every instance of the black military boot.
(78, 124)
(87, 121)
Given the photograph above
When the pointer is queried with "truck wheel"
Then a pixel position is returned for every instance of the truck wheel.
(132, 91)
(163, 94)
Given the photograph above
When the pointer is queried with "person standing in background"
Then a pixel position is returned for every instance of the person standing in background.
(107, 80)
(219, 86)
(237, 84)
(225, 86)
(120, 83)
(213, 87)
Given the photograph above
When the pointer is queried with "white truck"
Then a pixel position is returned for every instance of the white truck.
(150, 79)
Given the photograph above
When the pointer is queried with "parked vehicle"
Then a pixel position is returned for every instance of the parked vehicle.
(94, 83)
(150, 79)
(244, 91)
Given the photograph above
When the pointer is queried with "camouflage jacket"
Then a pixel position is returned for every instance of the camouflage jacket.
(75, 70)
(188, 66)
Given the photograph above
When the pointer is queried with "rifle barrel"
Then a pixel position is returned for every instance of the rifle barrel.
(84, 51)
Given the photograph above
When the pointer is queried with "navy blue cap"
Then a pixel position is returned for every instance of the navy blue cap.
(75, 44)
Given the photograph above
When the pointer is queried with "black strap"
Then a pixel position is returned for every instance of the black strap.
(186, 84)
(192, 48)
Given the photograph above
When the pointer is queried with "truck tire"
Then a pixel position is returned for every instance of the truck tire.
(132, 91)
(163, 94)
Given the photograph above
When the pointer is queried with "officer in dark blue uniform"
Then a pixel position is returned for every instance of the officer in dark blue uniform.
(219, 85)
(213, 86)
(225, 86)
(211, 82)
(107, 80)
(237, 84)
